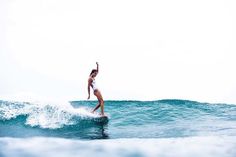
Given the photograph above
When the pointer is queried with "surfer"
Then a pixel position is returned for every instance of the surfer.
(96, 91)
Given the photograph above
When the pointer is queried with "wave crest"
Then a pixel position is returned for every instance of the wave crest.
(46, 115)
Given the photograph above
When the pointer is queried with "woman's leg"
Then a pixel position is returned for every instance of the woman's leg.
(101, 102)
(98, 105)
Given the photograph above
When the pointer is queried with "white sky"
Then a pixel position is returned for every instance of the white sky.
(147, 49)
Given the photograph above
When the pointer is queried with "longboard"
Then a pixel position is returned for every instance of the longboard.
(102, 119)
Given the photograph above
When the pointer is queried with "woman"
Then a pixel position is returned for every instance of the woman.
(96, 92)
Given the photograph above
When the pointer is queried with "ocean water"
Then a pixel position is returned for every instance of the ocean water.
(163, 128)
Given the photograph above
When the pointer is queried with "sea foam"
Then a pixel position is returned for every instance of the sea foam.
(45, 115)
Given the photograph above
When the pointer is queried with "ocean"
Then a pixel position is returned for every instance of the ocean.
(163, 128)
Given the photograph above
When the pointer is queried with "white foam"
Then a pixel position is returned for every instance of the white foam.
(45, 115)
(213, 146)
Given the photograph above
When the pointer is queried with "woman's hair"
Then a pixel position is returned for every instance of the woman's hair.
(93, 71)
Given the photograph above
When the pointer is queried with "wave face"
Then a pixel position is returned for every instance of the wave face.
(23, 119)
(127, 119)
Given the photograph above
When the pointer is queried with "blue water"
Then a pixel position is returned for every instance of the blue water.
(135, 128)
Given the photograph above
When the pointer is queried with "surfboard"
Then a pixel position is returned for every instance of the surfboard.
(102, 119)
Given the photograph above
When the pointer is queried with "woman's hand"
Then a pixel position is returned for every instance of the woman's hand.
(88, 97)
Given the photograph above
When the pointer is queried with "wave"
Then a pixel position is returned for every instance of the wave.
(128, 119)
(46, 115)
(204, 146)
(24, 119)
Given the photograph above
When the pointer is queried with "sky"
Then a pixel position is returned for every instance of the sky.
(146, 49)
